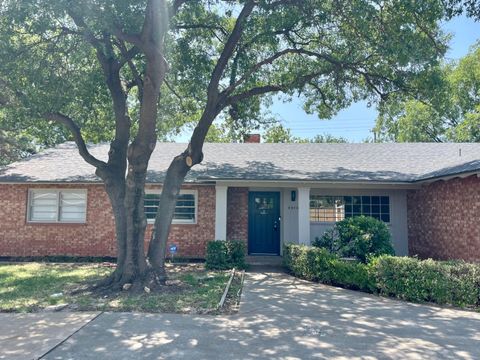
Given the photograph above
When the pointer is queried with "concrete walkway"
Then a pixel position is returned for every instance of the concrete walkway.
(284, 318)
(30, 336)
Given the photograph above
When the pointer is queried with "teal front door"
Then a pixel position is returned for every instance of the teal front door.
(264, 223)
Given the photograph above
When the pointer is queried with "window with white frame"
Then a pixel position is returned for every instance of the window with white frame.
(185, 208)
(62, 206)
(326, 208)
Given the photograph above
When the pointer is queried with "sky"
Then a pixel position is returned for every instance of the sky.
(355, 122)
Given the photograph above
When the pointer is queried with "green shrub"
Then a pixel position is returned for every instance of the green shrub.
(442, 282)
(318, 264)
(360, 237)
(223, 255)
(455, 283)
(352, 275)
(216, 257)
(236, 253)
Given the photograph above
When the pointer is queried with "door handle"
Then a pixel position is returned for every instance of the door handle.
(275, 225)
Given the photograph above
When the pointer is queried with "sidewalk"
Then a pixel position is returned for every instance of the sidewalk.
(30, 336)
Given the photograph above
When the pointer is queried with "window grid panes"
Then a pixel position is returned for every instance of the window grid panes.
(325, 208)
(57, 206)
(185, 208)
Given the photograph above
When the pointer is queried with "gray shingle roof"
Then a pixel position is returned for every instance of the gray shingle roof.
(402, 162)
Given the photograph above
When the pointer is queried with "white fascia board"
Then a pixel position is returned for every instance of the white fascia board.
(319, 184)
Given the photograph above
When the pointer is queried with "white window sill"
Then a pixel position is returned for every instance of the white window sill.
(40, 222)
(151, 222)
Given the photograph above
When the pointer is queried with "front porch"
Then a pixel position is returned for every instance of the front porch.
(265, 217)
(268, 214)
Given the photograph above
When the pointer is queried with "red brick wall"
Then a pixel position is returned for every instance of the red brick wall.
(444, 220)
(237, 214)
(191, 239)
(97, 236)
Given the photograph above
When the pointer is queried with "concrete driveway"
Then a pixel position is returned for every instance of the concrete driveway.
(284, 318)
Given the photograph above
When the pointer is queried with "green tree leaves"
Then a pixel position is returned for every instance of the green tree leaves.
(330, 53)
(280, 134)
(446, 109)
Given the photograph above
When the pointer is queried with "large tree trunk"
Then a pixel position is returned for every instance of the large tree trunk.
(172, 183)
(126, 196)
(116, 194)
(174, 178)
(132, 266)
(193, 155)
(136, 269)
(127, 200)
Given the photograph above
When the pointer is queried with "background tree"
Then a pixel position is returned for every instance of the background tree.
(328, 138)
(14, 147)
(448, 109)
(280, 134)
(129, 69)
(471, 8)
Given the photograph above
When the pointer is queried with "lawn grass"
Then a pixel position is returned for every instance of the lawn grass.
(32, 287)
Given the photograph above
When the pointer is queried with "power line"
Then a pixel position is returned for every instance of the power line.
(333, 128)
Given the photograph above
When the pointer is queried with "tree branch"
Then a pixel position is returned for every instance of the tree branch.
(127, 58)
(89, 36)
(77, 136)
(257, 66)
(260, 90)
(153, 33)
(176, 6)
(127, 55)
(232, 42)
(213, 106)
(111, 71)
(133, 39)
(201, 26)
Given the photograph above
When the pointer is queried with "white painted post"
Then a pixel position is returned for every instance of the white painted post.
(221, 212)
(304, 216)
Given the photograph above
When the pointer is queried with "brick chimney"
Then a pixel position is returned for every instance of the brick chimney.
(252, 138)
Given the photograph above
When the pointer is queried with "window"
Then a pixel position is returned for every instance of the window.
(185, 209)
(335, 208)
(326, 208)
(69, 206)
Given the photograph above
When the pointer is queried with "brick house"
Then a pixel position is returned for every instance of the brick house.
(263, 194)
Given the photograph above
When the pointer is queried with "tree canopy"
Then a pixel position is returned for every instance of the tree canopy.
(332, 52)
(447, 110)
(127, 72)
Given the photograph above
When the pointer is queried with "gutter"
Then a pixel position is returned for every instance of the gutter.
(461, 174)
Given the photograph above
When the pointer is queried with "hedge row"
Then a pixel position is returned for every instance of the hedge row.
(406, 278)
(223, 255)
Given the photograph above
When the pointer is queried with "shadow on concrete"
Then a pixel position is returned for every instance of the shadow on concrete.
(29, 336)
(285, 318)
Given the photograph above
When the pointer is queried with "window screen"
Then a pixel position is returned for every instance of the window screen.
(57, 205)
(185, 209)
